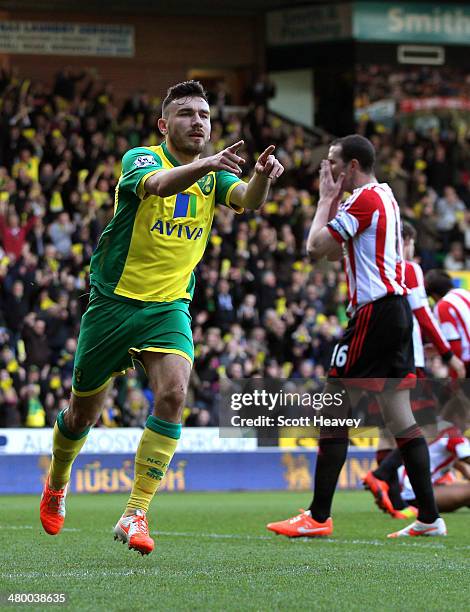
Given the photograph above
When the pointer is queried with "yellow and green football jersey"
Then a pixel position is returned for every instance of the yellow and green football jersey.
(150, 248)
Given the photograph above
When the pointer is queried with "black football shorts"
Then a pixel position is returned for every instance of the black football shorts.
(376, 350)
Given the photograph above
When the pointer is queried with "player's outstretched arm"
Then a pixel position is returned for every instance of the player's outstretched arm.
(175, 180)
(253, 194)
(320, 242)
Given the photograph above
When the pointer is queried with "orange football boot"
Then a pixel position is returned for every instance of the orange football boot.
(302, 525)
(379, 489)
(52, 508)
(133, 530)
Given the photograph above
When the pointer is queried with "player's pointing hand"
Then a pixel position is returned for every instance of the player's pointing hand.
(227, 159)
(268, 165)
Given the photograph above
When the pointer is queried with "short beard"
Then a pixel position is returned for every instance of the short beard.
(187, 147)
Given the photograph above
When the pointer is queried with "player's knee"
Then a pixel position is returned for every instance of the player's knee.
(171, 399)
(77, 421)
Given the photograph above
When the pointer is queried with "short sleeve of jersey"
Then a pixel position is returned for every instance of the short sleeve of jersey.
(225, 183)
(444, 314)
(137, 164)
(354, 216)
(414, 280)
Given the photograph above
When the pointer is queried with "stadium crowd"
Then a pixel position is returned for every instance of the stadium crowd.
(261, 308)
(377, 82)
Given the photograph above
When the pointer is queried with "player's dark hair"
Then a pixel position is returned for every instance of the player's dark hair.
(408, 231)
(357, 147)
(438, 282)
(186, 89)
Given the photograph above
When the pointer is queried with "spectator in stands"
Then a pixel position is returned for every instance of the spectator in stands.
(225, 308)
(247, 314)
(267, 292)
(440, 172)
(397, 177)
(35, 413)
(135, 409)
(450, 210)
(428, 240)
(13, 233)
(65, 83)
(261, 91)
(35, 339)
(15, 307)
(455, 258)
(60, 232)
(465, 229)
(219, 96)
(9, 414)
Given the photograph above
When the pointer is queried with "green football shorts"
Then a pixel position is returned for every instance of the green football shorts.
(112, 334)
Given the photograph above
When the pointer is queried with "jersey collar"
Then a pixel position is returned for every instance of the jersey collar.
(368, 185)
(169, 156)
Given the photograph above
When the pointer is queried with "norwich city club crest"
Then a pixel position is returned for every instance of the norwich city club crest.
(206, 183)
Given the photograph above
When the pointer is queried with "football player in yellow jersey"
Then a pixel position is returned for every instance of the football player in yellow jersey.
(142, 283)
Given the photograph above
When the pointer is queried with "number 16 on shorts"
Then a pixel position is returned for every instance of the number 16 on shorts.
(340, 356)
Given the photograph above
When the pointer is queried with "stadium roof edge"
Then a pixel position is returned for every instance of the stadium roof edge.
(165, 7)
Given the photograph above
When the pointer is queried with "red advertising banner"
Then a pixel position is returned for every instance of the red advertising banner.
(411, 105)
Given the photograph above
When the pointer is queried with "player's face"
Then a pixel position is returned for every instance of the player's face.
(188, 125)
(338, 166)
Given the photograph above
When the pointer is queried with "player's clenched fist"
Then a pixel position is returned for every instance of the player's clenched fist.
(268, 165)
(227, 159)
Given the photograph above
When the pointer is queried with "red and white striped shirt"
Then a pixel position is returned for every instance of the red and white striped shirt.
(424, 322)
(448, 447)
(368, 223)
(453, 314)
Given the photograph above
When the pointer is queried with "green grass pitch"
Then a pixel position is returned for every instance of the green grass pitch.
(214, 553)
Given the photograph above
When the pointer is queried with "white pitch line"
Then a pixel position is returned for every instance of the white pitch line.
(70, 529)
(217, 536)
(220, 536)
(16, 526)
(20, 527)
(80, 573)
(246, 537)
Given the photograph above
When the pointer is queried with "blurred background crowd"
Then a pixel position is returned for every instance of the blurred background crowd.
(374, 82)
(260, 307)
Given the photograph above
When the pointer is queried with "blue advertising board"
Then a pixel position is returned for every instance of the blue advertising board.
(260, 470)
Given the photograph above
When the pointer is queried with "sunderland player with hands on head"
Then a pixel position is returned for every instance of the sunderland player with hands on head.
(376, 350)
(142, 282)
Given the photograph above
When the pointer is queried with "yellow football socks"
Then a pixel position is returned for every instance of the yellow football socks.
(65, 447)
(156, 449)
